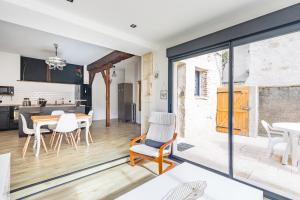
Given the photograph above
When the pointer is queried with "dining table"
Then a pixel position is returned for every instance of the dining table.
(42, 120)
(293, 131)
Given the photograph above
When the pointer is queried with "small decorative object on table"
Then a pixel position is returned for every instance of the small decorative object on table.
(187, 191)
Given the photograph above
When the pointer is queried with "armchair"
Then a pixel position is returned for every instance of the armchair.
(156, 144)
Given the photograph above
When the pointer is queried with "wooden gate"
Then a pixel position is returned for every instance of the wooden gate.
(240, 110)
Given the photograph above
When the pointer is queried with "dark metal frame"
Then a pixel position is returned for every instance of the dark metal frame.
(267, 27)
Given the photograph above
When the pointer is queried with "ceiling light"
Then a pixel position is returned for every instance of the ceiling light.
(133, 25)
(56, 62)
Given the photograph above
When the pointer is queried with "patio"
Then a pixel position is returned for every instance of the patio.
(251, 161)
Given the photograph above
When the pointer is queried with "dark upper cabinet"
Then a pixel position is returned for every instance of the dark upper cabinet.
(33, 69)
(37, 70)
(71, 74)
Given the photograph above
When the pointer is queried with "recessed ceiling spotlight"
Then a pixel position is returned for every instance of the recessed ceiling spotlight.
(133, 25)
(70, 1)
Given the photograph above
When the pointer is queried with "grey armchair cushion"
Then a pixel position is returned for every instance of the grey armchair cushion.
(155, 144)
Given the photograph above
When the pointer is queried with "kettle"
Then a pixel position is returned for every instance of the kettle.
(42, 102)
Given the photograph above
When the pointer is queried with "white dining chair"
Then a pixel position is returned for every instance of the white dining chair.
(84, 125)
(276, 137)
(52, 127)
(66, 125)
(30, 132)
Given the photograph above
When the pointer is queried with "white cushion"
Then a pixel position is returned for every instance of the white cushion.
(147, 150)
(160, 133)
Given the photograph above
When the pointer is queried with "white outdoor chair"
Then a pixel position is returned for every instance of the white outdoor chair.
(157, 142)
(52, 127)
(280, 138)
(67, 123)
(84, 125)
(30, 132)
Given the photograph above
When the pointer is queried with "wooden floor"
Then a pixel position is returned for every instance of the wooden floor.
(106, 185)
(109, 143)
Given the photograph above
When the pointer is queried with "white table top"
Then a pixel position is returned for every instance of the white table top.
(289, 126)
(218, 187)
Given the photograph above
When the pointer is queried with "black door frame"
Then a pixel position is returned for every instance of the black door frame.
(261, 28)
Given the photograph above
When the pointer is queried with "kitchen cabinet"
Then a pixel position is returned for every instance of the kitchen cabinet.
(4, 118)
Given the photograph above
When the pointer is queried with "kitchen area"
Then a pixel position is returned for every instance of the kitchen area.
(9, 113)
(47, 74)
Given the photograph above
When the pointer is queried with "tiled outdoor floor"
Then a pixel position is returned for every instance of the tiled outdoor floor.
(251, 162)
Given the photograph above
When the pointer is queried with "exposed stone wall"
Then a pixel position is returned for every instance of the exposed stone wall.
(279, 104)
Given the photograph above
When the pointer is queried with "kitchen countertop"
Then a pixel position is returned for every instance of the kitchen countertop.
(5, 105)
(50, 105)
(36, 106)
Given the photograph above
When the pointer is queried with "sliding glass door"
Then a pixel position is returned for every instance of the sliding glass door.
(201, 104)
(266, 108)
(238, 110)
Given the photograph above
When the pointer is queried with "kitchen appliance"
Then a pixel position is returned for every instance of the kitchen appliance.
(26, 102)
(125, 101)
(83, 94)
(13, 117)
(7, 90)
(42, 102)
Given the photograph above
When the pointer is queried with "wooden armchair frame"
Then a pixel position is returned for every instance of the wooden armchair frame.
(160, 159)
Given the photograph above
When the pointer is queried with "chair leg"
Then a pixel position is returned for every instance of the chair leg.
(60, 139)
(132, 163)
(285, 157)
(67, 138)
(270, 148)
(78, 137)
(72, 138)
(90, 136)
(52, 139)
(57, 141)
(44, 144)
(160, 165)
(26, 145)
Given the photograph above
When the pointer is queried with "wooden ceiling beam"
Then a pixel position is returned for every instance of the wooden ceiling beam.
(112, 58)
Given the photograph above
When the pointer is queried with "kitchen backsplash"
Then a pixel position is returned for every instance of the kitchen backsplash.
(50, 96)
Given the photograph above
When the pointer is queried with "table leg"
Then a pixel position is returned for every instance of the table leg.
(294, 147)
(38, 139)
(87, 132)
(34, 143)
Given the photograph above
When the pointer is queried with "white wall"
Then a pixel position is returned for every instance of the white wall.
(10, 74)
(271, 62)
(160, 62)
(132, 68)
(200, 112)
(98, 95)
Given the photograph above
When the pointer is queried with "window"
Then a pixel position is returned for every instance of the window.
(200, 83)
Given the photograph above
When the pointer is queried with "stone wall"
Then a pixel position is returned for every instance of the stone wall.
(279, 104)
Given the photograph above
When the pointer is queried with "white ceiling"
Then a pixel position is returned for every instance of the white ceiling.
(161, 23)
(37, 44)
(160, 20)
